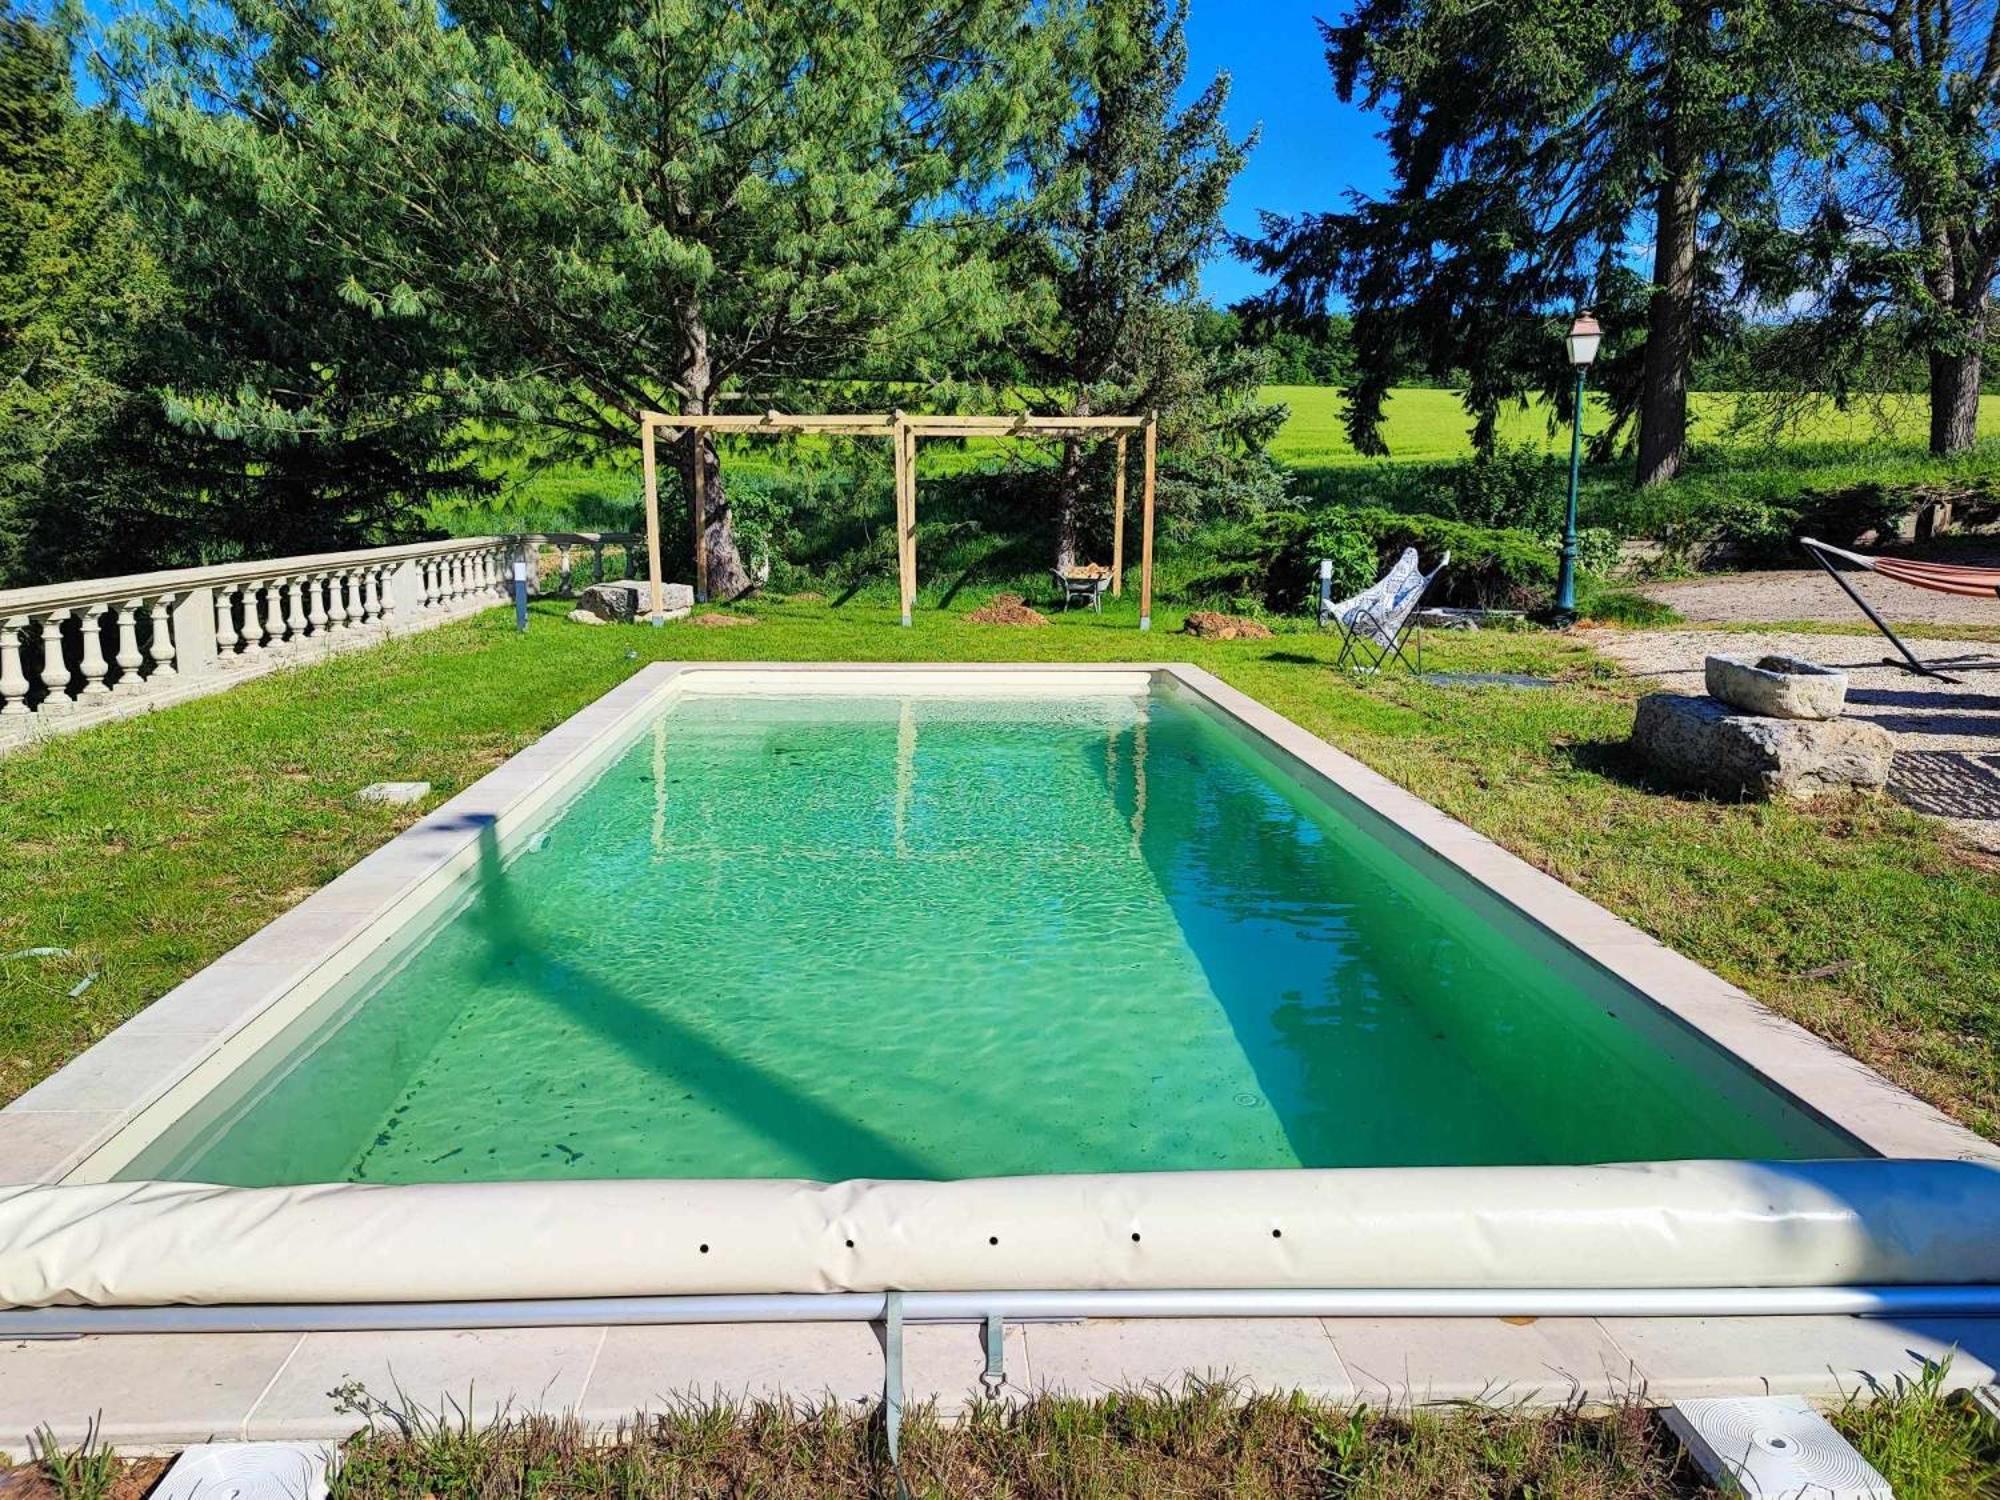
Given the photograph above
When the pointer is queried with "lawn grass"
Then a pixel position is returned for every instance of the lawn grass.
(147, 848)
(1204, 1439)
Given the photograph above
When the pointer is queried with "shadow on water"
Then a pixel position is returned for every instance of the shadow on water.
(1396, 1013)
(836, 1146)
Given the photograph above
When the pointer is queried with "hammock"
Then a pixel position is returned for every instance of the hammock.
(1938, 578)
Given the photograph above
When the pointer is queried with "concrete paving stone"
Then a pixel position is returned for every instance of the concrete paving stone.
(146, 1391)
(658, 1368)
(480, 1372)
(1826, 1357)
(217, 1000)
(119, 1072)
(1414, 1361)
(1106, 1354)
(39, 1145)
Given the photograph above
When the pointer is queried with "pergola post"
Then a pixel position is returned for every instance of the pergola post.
(904, 430)
(649, 463)
(905, 513)
(1152, 444)
(1118, 522)
(697, 503)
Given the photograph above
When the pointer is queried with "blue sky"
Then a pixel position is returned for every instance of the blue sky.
(1314, 147)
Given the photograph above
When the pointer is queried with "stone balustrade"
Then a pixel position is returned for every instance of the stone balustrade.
(73, 654)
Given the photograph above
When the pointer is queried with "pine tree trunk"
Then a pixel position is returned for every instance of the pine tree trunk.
(1069, 482)
(727, 577)
(1954, 402)
(1069, 493)
(1670, 316)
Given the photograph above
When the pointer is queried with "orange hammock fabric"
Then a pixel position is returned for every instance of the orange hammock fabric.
(1939, 578)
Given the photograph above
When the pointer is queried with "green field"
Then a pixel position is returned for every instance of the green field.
(1428, 426)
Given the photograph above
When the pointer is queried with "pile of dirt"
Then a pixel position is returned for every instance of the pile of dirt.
(714, 622)
(1211, 626)
(1007, 609)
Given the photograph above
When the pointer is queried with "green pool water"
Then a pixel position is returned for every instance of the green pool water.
(836, 936)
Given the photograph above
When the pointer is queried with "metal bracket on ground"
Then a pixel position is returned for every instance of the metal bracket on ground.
(892, 1382)
(995, 1374)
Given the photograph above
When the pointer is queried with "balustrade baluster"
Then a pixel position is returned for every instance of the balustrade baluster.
(161, 647)
(385, 586)
(55, 670)
(295, 617)
(90, 623)
(253, 625)
(597, 562)
(371, 600)
(563, 586)
(316, 617)
(226, 637)
(272, 614)
(128, 659)
(14, 682)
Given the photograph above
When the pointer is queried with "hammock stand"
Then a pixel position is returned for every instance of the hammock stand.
(1938, 578)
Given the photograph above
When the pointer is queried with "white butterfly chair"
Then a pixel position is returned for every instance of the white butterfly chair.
(1375, 622)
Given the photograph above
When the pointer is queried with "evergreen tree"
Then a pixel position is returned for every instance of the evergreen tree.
(570, 215)
(1898, 254)
(76, 291)
(1533, 143)
(1127, 205)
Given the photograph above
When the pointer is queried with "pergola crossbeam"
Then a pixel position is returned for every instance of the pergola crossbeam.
(904, 430)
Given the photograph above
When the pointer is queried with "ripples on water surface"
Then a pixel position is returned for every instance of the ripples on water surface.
(840, 937)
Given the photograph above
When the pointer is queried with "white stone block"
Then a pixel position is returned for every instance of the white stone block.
(395, 793)
(1778, 687)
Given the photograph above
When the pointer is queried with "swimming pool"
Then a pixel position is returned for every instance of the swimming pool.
(1023, 964)
(833, 935)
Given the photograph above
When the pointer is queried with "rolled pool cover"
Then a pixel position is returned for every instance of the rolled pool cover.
(1678, 1224)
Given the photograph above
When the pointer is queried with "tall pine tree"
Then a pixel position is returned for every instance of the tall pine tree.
(1127, 204)
(574, 214)
(1533, 144)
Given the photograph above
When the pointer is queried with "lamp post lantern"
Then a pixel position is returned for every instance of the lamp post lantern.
(1582, 340)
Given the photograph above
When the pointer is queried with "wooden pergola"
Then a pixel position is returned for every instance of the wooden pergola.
(903, 429)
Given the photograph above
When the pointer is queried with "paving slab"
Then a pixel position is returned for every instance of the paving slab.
(1505, 1361)
(149, 1392)
(1108, 1354)
(1821, 1357)
(483, 1373)
(655, 1369)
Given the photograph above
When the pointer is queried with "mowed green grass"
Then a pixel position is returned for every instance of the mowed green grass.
(1430, 426)
(150, 847)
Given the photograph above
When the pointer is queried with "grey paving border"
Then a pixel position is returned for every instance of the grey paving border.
(51, 1130)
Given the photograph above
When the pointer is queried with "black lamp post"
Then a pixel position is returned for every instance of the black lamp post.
(1582, 339)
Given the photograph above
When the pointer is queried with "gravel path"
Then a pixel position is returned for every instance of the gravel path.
(1947, 735)
(1808, 594)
